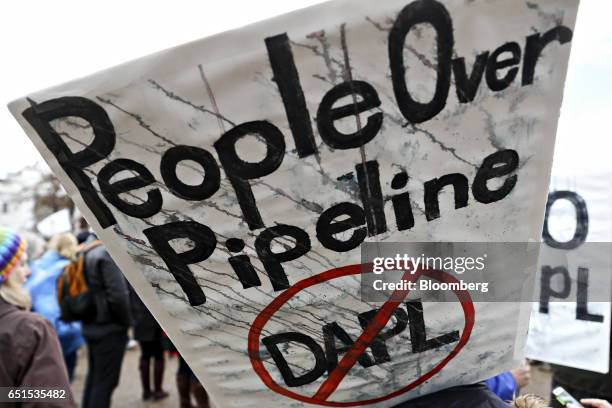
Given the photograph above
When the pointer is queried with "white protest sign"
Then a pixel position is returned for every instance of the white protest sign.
(575, 333)
(55, 223)
(234, 178)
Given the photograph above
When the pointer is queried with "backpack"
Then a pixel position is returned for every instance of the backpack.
(75, 300)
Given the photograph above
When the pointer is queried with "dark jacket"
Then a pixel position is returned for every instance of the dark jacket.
(110, 290)
(465, 396)
(587, 383)
(145, 325)
(30, 355)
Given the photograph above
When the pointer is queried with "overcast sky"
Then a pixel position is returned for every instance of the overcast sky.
(46, 43)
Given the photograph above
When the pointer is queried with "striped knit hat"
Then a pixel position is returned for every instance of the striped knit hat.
(12, 248)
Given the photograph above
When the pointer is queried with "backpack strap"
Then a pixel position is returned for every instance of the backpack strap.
(82, 252)
(86, 246)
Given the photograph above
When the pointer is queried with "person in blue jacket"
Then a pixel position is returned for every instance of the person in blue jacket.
(508, 384)
(42, 286)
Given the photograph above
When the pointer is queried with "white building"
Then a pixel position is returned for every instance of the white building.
(29, 195)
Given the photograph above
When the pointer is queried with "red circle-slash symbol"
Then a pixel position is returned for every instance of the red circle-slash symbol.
(362, 343)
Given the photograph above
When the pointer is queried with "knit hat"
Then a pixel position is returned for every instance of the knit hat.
(12, 248)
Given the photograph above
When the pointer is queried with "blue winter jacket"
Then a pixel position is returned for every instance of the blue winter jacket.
(42, 285)
(504, 386)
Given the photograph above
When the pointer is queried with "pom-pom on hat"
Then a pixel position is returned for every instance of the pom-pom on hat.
(12, 248)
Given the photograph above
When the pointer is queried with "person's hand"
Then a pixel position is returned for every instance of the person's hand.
(522, 375)
(595, 403)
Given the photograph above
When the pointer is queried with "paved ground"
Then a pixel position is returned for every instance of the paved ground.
(129, 392)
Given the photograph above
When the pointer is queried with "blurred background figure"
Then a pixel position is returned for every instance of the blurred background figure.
(31, 354)
(508, 384)
(82, 230)
(106, 331)
(463, 396)
(188, 384)
(37, 245)
(42, 286)
(149, 335)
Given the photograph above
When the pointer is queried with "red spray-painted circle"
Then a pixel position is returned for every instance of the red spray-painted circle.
(265, 315)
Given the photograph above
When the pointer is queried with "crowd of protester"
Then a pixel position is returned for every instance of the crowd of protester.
(40, 349)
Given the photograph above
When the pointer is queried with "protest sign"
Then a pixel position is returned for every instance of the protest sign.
(578, 222)
(55, 223)
(234, 178)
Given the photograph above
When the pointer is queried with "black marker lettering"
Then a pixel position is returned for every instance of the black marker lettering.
(212, 176)
(39, 117)
(419, 12)
(288, 81)
(328, 226)
(432, 192)
(534, 46)
(240, 172)
(498, 164)
(144, 178)
(272, 261)
(327, 115)
(204, 242)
